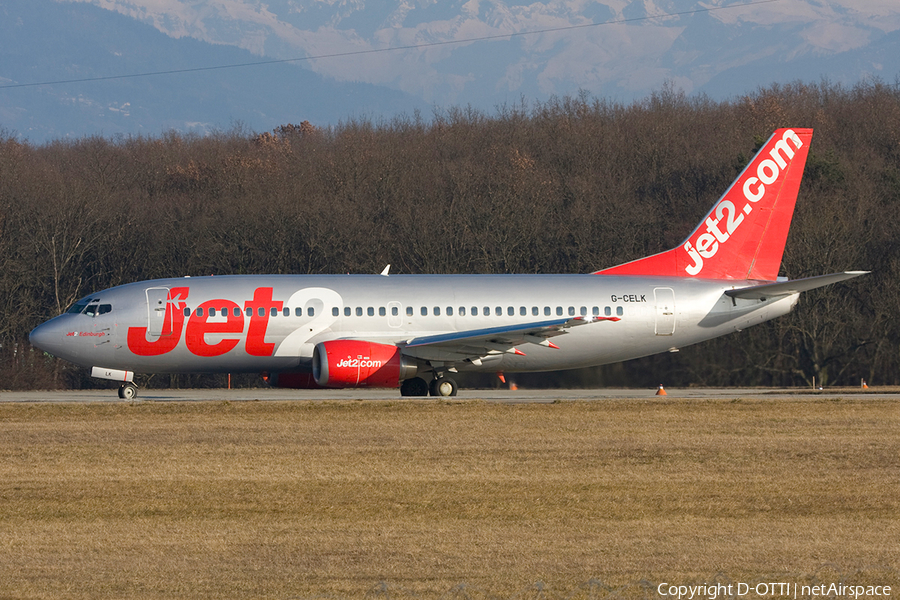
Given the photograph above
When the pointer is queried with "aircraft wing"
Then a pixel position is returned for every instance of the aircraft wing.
(475, 344)
(786, 288)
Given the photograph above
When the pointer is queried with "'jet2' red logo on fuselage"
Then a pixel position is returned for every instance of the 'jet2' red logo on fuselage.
(230, 325)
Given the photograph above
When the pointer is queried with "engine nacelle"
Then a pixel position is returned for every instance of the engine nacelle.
(354, 363)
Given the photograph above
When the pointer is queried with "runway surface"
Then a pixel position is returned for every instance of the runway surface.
(497, 395)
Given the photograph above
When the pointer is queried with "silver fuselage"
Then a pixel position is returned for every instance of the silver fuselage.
(656, 314)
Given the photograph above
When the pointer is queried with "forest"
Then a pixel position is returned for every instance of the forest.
(570, 185)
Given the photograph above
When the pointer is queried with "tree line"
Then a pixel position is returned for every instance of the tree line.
(570, 185)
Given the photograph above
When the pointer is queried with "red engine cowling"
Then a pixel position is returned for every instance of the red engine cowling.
(354, 363)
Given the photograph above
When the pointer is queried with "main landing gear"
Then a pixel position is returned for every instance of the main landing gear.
(443, 386)
(128, 391)
(440, 386)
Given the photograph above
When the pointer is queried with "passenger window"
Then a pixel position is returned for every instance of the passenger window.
(310, 312)
(249, 312)
(534, 311)
(511, 311)
(498, 311)
(237, 311)
(347, 311)
(462, 311)
(382, 312)
(199, 311)
(212, 312)
(395, 312)
(596, 311)
(449, 311)
(619, 311)
(547, 311)
(359, 311)
(571, 311)
(584, 311)
(298, 312)
(187, 311)
(474, 311)
(487, 311)
(424, 311)
(335, 312)
(261, 311)
(559, 311)
(409, 311)
(273, 311)
(437, 311)
(286, 311)
(523, 311)
(370, 311)
(607, 311)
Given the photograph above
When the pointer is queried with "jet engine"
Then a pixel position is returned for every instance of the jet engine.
(355, 363)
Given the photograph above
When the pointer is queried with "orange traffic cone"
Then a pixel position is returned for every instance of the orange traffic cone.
(864, 385)
(661, 391)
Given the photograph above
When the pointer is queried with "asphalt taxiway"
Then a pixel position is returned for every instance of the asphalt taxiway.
(495, 395)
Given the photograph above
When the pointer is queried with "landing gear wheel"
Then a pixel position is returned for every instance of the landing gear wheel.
(443, 386)
(128, 391)
(414, 387)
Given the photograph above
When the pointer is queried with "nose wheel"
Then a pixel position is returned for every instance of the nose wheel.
(128, 391)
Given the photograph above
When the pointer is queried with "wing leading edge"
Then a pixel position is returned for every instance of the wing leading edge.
(476, 344)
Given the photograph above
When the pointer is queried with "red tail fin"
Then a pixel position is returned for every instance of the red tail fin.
(743, 236)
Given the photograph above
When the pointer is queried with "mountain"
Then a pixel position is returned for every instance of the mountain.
(383, 57)
(43, 40)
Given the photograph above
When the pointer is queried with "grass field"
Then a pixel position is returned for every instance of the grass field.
(302, 499)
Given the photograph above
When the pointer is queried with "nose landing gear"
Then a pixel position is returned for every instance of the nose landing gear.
(128, 391)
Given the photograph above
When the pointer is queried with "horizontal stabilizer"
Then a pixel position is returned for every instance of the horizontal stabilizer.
(786, 288)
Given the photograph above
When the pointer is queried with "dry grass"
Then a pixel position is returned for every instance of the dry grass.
(285, 500)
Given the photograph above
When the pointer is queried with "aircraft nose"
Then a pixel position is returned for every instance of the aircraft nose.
(46, 337)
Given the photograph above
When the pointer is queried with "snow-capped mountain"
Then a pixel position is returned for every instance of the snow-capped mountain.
(633, 47)
(487, 52)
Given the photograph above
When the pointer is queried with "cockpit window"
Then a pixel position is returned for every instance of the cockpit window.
(77, 308)
(91, 308)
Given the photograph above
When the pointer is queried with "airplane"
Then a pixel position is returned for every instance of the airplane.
(415, 331)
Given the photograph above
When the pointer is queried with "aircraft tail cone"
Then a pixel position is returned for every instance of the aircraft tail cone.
(661, 391)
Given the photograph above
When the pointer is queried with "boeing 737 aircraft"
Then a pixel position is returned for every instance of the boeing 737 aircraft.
(415, 331)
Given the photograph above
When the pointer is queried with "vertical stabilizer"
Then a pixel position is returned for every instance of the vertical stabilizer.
(743, 236)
